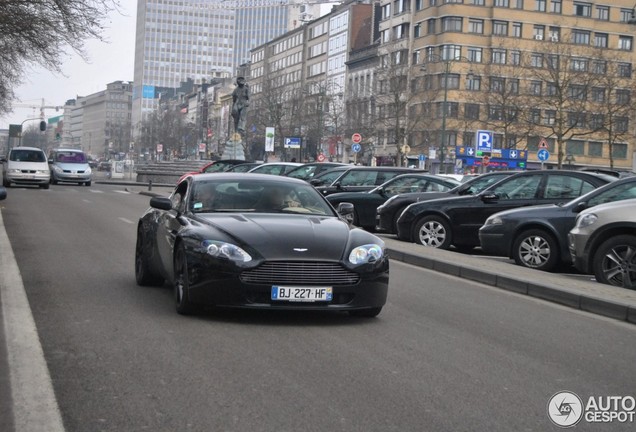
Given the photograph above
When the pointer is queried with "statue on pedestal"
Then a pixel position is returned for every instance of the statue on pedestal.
(240, 102)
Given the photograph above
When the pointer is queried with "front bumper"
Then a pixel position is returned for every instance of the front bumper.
(578, 252)
(494, 243)
(71, 177)
(384, 222)
(28, 178)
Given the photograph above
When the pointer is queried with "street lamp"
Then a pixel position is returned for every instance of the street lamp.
(434, 58)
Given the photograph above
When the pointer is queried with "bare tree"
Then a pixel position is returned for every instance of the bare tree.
(38, 31)
(560, 81)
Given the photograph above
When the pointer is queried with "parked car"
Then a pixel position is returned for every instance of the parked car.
(275, 168)
(259, 241)
(603, 242)
(26, 166)
(215, 166)
(310, 170)
(537, 236)
(103, 166)
(357, 178)
(70, 165)
(244, 167)
(444, 222)
(388, 213)
(365, 204)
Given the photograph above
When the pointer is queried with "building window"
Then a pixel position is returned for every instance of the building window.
(495, 112)
(450, 80)
(535, 88)
(474, 54)
(476, 26)
(582, 9)
(601, 40)
(517, 4)
(626, 15)
(580, 37)
(419, 5)
(471, 111)
(623, 96)
(535, 116)
(450, 52)
(498, 56)
(599, 67)
(502, 3)
(625, 43)
(576, 120)
(386, 11)
(476, 2)
(625, 70)
(452, 24)
(417, 30)
(515, 58)
(597, 121)
(579, 65)
(602, 13)
(538, 32)
(595, 149)
(577, 92)
(539, 5)
(473, 82)
(553, 61)
(513, 85)
(452, 109)
(574, 147)
(556, 6)
(550, 117)
(598, 94)
(619, 151)
(497, 84)
(401, 31)
(550, 89)
(622, 124)
(536, 60)
(430, 26)
(516, 29)
(500, 28)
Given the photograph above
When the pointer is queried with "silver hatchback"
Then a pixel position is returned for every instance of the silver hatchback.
(70, 165)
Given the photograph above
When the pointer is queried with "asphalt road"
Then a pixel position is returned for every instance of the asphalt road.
(445, 354)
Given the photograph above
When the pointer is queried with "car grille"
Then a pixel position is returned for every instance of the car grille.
(73, 172)
(25, 171)
(300, 273)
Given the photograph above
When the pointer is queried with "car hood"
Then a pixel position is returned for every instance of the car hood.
(280, 236)
(72, 166)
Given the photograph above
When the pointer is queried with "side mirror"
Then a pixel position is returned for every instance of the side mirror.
(579, 207)
(345, 209)
(3, 192)
(315, 182)
(490, 197)
(3, 160)
(338, 185)
(161, 203)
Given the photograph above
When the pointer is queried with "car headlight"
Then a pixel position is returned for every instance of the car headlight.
(494, 220)
(58, 169)
(88, 170)
(42, 171)
(586, 220)
(15, 171)
(365, 254)
(225, 250)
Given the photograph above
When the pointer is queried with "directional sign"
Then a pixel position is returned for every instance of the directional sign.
(421, 157)
(356, 148)
(292, 142)
(470, 151)
(484, 139)
(543, 155)
(356, 138)
(513, 154)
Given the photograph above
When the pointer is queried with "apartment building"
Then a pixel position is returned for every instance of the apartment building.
(535, 73)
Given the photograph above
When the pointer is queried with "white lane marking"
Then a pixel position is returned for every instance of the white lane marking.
(128, 221)
(87, 201)
(96, 191)
(122, 192)
(35, 407)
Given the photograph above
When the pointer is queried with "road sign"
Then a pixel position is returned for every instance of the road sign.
(484, 139)
(356, 148)
(356, 138)
(321, 157)
(485, 160)
(292, 142)
(421, 157)
(543, 144)
(543, 155)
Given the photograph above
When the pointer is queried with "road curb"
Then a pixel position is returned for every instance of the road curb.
(544, 291)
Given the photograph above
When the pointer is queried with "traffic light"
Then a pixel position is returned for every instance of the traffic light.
(42, 125)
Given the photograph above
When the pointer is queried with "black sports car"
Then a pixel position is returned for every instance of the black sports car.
(259, 241)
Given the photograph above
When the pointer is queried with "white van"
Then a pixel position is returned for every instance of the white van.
(26, 166)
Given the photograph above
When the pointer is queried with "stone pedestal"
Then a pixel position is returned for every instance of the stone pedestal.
(234, 148)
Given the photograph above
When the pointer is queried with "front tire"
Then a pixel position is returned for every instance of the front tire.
(182, 283)
(536, 249)
(88, 183)
(45, 186)
(615, 262)
(433, 231)
(143, 273)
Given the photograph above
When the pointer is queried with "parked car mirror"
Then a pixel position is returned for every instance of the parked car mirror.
(338, 185)
(3, 192)
(161, 203)
(345, 208)
(579, 207)
(490, 197)
(315, 182)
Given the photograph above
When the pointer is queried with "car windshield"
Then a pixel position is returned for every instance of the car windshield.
(70, 157)
(27, 156)
(329, 177)
(303, 172)
(212, 196)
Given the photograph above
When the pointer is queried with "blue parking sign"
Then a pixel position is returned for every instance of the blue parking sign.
(484, 139)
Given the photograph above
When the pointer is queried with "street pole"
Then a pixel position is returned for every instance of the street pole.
(444, 108)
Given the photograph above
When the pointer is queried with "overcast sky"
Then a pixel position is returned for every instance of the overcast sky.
(112, 61)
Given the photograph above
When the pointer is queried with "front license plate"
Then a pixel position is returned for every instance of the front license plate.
(302, 294)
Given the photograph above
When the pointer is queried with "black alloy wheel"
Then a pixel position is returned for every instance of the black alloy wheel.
(614, 262)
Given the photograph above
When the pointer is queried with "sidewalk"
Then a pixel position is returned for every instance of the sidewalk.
(586, 295)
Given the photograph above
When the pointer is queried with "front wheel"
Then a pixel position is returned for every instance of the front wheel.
(615, 262)
(536, 249)
(45, 186)
(88, 183)
(433, 231)
(143, 273)
(182, 283)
